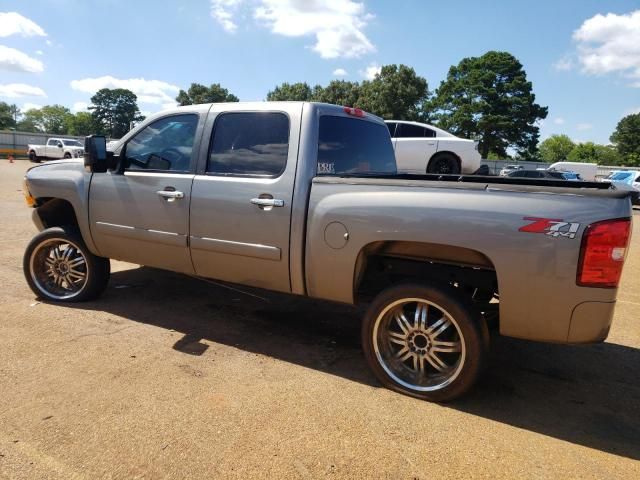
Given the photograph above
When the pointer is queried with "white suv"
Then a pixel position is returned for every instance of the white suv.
(422, 148)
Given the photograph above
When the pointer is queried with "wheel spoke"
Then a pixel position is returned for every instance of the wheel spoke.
(438, 327)
(77, 274)
(399, 341)
(446, 347)
(76, 262)
(436, 362)
(403, 323)
(420, 318)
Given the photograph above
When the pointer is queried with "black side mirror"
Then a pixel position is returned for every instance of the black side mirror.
(95, 153)
(59, 144)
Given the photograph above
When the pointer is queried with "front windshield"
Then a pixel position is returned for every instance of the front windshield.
(72, 143)
(619, 176)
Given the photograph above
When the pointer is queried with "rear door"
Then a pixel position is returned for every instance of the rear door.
(414, 146)
(141, 214)
(242, 195)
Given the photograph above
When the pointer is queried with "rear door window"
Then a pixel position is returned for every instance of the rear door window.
(407, 130)
(392, 129)
(354, 146)
(249, 144)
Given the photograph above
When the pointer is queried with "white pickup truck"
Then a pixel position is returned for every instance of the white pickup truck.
(55, 149)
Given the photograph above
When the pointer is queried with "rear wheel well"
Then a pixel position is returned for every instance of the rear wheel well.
(56, 212)
(436, 155)
(383, 264)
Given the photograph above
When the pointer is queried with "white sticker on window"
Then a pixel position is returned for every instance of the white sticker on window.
(326, 167)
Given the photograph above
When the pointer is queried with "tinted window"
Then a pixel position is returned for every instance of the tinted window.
(255, 143)
(392, 129)
(406, 130)
(518, 173)
(165, 144)
(348, 145)
(429, 133)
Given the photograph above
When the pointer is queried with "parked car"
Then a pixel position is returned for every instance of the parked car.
(55, 149)
(522, 173)
(587, 171)
(303, 198)
(628, 178)
(510, 168)
(422, 148)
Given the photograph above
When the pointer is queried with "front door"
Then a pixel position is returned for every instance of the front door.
(241, 201)
(141, 215)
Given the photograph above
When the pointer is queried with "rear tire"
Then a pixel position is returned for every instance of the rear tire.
(424, 341)
(444, 164)
(33, 158)
(59, 267)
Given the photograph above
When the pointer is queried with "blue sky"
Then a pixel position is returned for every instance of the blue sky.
(583, 56)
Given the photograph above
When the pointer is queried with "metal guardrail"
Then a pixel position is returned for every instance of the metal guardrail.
(496, 165)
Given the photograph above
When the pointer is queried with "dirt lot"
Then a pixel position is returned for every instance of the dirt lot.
(170, 377)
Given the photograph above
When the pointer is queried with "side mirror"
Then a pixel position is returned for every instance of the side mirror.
(95, 153)
(59, 145)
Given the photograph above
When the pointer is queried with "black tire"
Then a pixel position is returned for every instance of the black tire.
(444, 164)
(462, 348)
(33, 158)
(59, 267)
(67, 155)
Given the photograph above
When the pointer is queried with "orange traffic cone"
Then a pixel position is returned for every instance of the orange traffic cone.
(10, 158)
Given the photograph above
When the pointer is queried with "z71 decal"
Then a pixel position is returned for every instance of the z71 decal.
(554, 227)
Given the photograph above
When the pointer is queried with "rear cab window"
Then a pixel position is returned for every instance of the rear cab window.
(351, 146)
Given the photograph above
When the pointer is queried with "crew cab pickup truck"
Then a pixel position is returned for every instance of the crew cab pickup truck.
(304, 198)
(55, 149)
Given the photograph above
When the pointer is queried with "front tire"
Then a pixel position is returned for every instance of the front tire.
(444, 164)
(424, 341)
(33, 158)
(59, 267)
(67, 155)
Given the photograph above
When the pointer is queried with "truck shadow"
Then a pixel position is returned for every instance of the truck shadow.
(586, 395)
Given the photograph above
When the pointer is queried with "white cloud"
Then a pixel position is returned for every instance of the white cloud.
(15, 90)
(338, 25)
(148, 91)
(39, 52)
(30, 106)
(564, 64)
(16, 61)
(340, 72)
(12, 23)
(583, 127)
(371, 71)
(558, 121)
(610, 44)
(223, 11)
(79, 107)
(169, 105)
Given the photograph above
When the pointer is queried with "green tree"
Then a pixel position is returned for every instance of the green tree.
(489, 98)
(80, 124)
(593, 153)
(338, 92)
(7, 116)
(298, 92)
(198, 93)
(397, 92)
(31, 121)
(54, 119)
(627, 135)
(556, 148)
(113, 110)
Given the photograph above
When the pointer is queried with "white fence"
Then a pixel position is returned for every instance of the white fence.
(496, 165)
(15, 143)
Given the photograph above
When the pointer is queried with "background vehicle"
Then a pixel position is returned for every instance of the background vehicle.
(510, 168)
(304, 198)
(422, 148)
(55, 148)
(522, 173)
(628, 178)
(587, 171)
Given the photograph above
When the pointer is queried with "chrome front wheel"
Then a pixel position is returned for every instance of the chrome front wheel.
(59, 267)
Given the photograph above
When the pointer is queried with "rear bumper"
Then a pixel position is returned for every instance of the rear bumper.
(590, 322)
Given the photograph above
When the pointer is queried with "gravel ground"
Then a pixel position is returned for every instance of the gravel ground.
(168, 376)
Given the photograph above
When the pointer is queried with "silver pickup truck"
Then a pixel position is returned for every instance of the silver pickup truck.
(304, 198)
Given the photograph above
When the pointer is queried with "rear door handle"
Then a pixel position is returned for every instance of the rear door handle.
(170, 195)
(267, 202)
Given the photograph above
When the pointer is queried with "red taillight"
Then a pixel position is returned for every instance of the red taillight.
(356, 112)
(602, 254)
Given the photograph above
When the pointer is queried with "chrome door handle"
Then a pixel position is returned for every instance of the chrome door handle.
(267, 202)
(170, 195)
